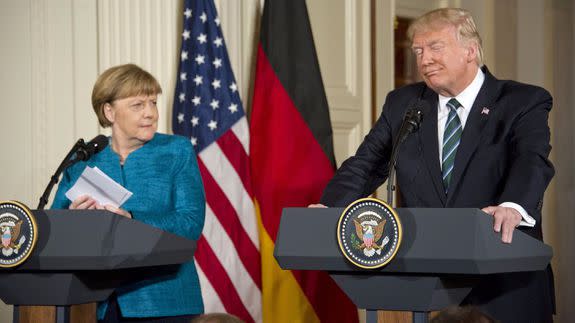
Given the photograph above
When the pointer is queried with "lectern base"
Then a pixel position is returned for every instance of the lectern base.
(83, 313)
(375, 316)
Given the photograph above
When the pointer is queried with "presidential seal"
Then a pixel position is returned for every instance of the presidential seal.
(19, 233)
(369, 233)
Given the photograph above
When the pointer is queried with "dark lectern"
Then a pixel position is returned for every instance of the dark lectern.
(442, 255)
(82, 256)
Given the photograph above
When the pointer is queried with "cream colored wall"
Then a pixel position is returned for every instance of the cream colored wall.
(53, 50)
(559, 41)
(48, 61)
(47, 65)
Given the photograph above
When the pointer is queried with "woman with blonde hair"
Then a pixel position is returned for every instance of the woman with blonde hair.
(162, 173)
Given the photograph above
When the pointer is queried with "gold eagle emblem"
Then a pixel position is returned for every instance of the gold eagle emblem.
(370, 232)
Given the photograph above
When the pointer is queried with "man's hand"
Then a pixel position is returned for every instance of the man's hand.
(505, 220)
(317, 205)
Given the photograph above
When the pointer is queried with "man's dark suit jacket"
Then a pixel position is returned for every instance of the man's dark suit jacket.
(502, 157)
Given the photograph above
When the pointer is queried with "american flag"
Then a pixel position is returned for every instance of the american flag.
(208, 110)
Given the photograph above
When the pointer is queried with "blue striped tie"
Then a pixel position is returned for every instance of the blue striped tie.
(451, 138)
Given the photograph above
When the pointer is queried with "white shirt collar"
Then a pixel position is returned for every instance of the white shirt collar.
(468, 95)
(466, 98)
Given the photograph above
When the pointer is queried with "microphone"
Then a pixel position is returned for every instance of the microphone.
(81, 151)
(94, 146)
(411, 122)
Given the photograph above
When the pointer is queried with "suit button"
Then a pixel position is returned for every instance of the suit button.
(539, 205)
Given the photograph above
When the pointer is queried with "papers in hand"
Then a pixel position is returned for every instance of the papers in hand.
(99, 186)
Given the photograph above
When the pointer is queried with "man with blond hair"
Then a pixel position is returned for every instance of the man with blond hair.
(483, 143)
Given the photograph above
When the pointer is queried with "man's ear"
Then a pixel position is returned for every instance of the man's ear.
(109, 112)
(472, 51)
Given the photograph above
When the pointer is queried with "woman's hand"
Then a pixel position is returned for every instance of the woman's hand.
(84, 202)
(117, 210)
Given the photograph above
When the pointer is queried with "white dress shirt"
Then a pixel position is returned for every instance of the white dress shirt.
(466, 99)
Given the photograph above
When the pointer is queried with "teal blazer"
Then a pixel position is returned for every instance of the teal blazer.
(168, 194)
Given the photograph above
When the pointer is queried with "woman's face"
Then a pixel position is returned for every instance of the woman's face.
(134, 119)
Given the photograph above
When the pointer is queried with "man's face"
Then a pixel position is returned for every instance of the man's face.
(446, 64)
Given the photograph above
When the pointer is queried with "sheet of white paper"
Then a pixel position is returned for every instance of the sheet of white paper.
(99, 186)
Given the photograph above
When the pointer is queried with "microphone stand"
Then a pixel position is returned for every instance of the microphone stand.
(79, 150)
(410, 124)
(391, 166)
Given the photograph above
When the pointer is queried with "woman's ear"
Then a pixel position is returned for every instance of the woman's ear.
(109, 112)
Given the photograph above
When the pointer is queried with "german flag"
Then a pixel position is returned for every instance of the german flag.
(292, 159)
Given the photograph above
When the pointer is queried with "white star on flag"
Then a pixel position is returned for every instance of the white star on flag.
(184, 55)
(202, 38)
(233, 107)
(196, 100)
(198, 80)
(217, 21)
(233, 87)
(213, 125)
(194, 141)
(218, 42)
(180, 117)
(216, 84)
(186, 34)
(182, 97)
(183, 77)
(188, 13)
(215, 104)
(200, 59)
(203, 17)
(195, 121)
(217, 63)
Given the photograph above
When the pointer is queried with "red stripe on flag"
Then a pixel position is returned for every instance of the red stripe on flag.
(228, 217)
(208, 261)
(291, 174)
(234, 151)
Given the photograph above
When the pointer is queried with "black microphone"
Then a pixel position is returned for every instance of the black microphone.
(411, 122)
(94, 146)
(81, 151)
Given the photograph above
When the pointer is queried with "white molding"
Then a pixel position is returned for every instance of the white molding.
(251, 12)
(384, 51)
(85, 63)
(347, 135)
(351, 47)
(368, 67)
(39, 99)
(146, 33)
(346, 93)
